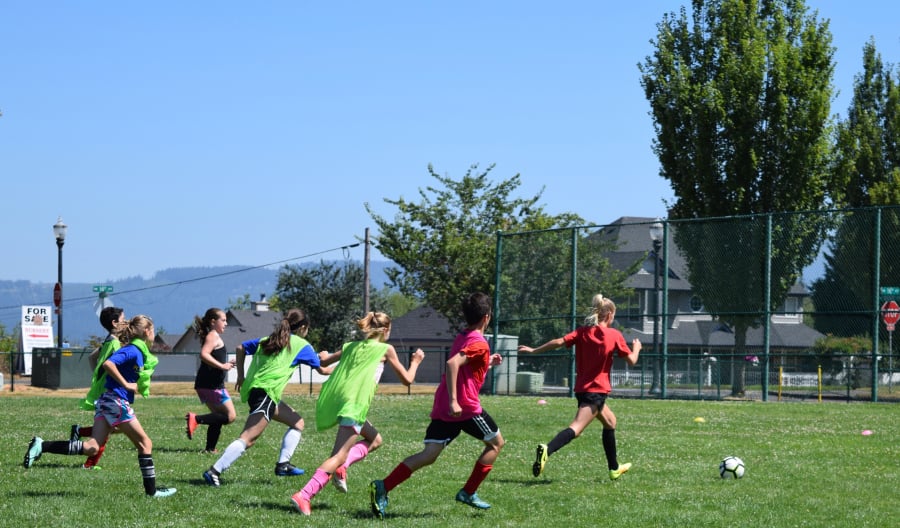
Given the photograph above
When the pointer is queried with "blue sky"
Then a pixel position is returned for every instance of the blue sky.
(170, 134)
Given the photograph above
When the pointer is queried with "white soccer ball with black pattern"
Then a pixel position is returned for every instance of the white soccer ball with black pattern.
(731, 467)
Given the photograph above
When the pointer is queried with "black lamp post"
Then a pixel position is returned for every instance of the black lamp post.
(656, 235)
(59, 231)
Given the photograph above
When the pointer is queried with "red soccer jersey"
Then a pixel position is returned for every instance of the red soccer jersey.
(595, 349)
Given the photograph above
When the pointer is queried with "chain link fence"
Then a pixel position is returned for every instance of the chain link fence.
(771, 306)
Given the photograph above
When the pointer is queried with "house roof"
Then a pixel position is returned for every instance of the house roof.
(631, 237)
(421, 325)
(242, 325)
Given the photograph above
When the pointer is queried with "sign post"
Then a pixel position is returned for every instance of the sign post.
(891, 315)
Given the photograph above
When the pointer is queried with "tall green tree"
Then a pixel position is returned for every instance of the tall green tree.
(444, 244)
(330, 294)
(866, 173)
(740, 95)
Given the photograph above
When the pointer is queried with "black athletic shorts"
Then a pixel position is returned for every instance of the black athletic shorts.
(591, 398)
(481, 427)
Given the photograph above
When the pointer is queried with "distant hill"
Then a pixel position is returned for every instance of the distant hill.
(172, 297)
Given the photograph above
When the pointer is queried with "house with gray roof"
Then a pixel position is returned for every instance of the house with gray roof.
(182, 362)
(689, 328)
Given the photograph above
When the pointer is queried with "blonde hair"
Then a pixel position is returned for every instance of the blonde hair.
(601, 307)
(374, 324)
(138, 327)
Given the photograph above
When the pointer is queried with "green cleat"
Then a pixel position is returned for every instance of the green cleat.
(614, 474)
(163, 492)
(35, 448)
(378, 497)
(540, 460)
(472, 500)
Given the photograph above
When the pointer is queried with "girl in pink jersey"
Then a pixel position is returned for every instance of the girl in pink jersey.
(456, 409)
(596, 345)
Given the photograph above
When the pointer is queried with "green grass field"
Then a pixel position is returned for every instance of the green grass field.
(807, 465)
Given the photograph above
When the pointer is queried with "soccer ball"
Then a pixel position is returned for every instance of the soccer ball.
(731, 467)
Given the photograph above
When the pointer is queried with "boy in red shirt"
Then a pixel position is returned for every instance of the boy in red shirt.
(456, 409)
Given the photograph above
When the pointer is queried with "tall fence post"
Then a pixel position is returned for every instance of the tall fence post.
(876, 305)
(767, 311)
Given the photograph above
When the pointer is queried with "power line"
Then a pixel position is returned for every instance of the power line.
(206, 277)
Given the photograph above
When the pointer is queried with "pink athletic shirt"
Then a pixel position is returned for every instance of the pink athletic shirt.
(594, 353)
(468, 381)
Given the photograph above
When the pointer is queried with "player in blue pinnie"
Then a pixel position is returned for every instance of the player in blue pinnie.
(128, 371)
(275, 358)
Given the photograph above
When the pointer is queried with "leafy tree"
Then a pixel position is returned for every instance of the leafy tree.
(867, 173)
(331, 296)
(241, 303)
(392, 302)
(445, 243)
(740, 97)
(9, 344)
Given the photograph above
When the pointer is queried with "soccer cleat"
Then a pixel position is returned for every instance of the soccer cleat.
(339, 479)
(35, 448)
(540, 460)
(285, 469)
(301, 504)
(378, 497)
(614, 474)
(94, 468)
(212, 478)
(472, 500)
(191, 420)
(73, 433)
(163, 492)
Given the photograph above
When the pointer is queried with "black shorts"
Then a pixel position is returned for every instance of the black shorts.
(481, 427)
(260, 402)
(591, 398)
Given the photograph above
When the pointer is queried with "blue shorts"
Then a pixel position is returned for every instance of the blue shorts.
(351, 423)
(213, 396)
(113, 409)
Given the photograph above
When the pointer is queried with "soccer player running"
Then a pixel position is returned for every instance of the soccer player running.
(128, 371)
(456, 409)
(110, 318)
(345, 400)
(210, 380)
(596, 345)
(275, 358)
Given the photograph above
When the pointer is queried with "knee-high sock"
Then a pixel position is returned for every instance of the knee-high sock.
(63, 447)
(148, 473)
(289, 444)
(357, 453)
(560, 440)
(479, 473)
(609, 447)
(232, 453)
(212, 418)
(397, 477)
(212, 436)
(316, 483)
(94, 459)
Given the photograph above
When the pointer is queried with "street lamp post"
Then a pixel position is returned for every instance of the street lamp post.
(656, 235)
(59, 231)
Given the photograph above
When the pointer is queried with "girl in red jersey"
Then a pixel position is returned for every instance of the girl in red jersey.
(596, 345)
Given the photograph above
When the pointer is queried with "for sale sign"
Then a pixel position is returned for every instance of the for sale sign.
(37, 331)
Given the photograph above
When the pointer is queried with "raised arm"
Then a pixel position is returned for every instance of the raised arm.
(407, 376)
(632, 357)
(553, 344)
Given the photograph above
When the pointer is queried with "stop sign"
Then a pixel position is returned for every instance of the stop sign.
(57, 294)
(891, 313)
